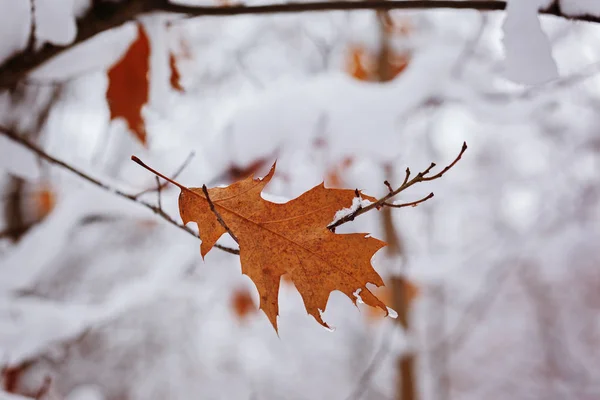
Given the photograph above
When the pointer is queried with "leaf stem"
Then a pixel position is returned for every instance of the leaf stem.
(155, 172)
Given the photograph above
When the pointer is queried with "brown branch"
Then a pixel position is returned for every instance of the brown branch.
(219, 218)
(163, 185)
(101, 17)
(448, 167)
(389, 186)
(341, 5)
(106, 15)
(156, 210)
(15, 232)
(407, 176)
(158, 192)
(32, 29)
(411, 204)
(420, 177)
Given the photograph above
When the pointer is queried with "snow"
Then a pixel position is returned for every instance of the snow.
(528, 51)
(98, 53)
(9, 396)
(86, 392)
(580, 7)
(357, 202)
(14, 27)
(55, 22)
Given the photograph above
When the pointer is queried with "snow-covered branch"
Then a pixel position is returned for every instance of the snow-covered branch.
(107, 15)
(61, 164)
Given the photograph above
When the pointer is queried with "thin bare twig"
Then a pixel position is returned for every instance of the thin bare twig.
(45, 156)
(32, 28)
(158, 192)
(219, 218)
(389, 186)
(448, 167)
(420, 177)
(410, 204)
(341, 5)
(175, 175)
(407, 176)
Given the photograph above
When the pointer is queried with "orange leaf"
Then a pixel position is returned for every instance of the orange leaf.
(128, 85)
(45, 201)
(242, 303)
(175, 77)
(290, 238)
(362, 64)
(356, 67)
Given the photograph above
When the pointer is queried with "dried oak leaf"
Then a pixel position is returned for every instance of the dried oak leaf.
(128, 85)
(290, 238)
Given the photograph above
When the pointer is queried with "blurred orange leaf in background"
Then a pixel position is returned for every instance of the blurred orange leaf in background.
(356, 64)
(128, 85)
(45, 200)
(361, 64)
(242, 303)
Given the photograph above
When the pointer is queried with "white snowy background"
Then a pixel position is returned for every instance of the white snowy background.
(109, 302)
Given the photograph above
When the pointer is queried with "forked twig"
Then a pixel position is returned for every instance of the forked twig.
(158, 192)
(420, 177)
(410, 204)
